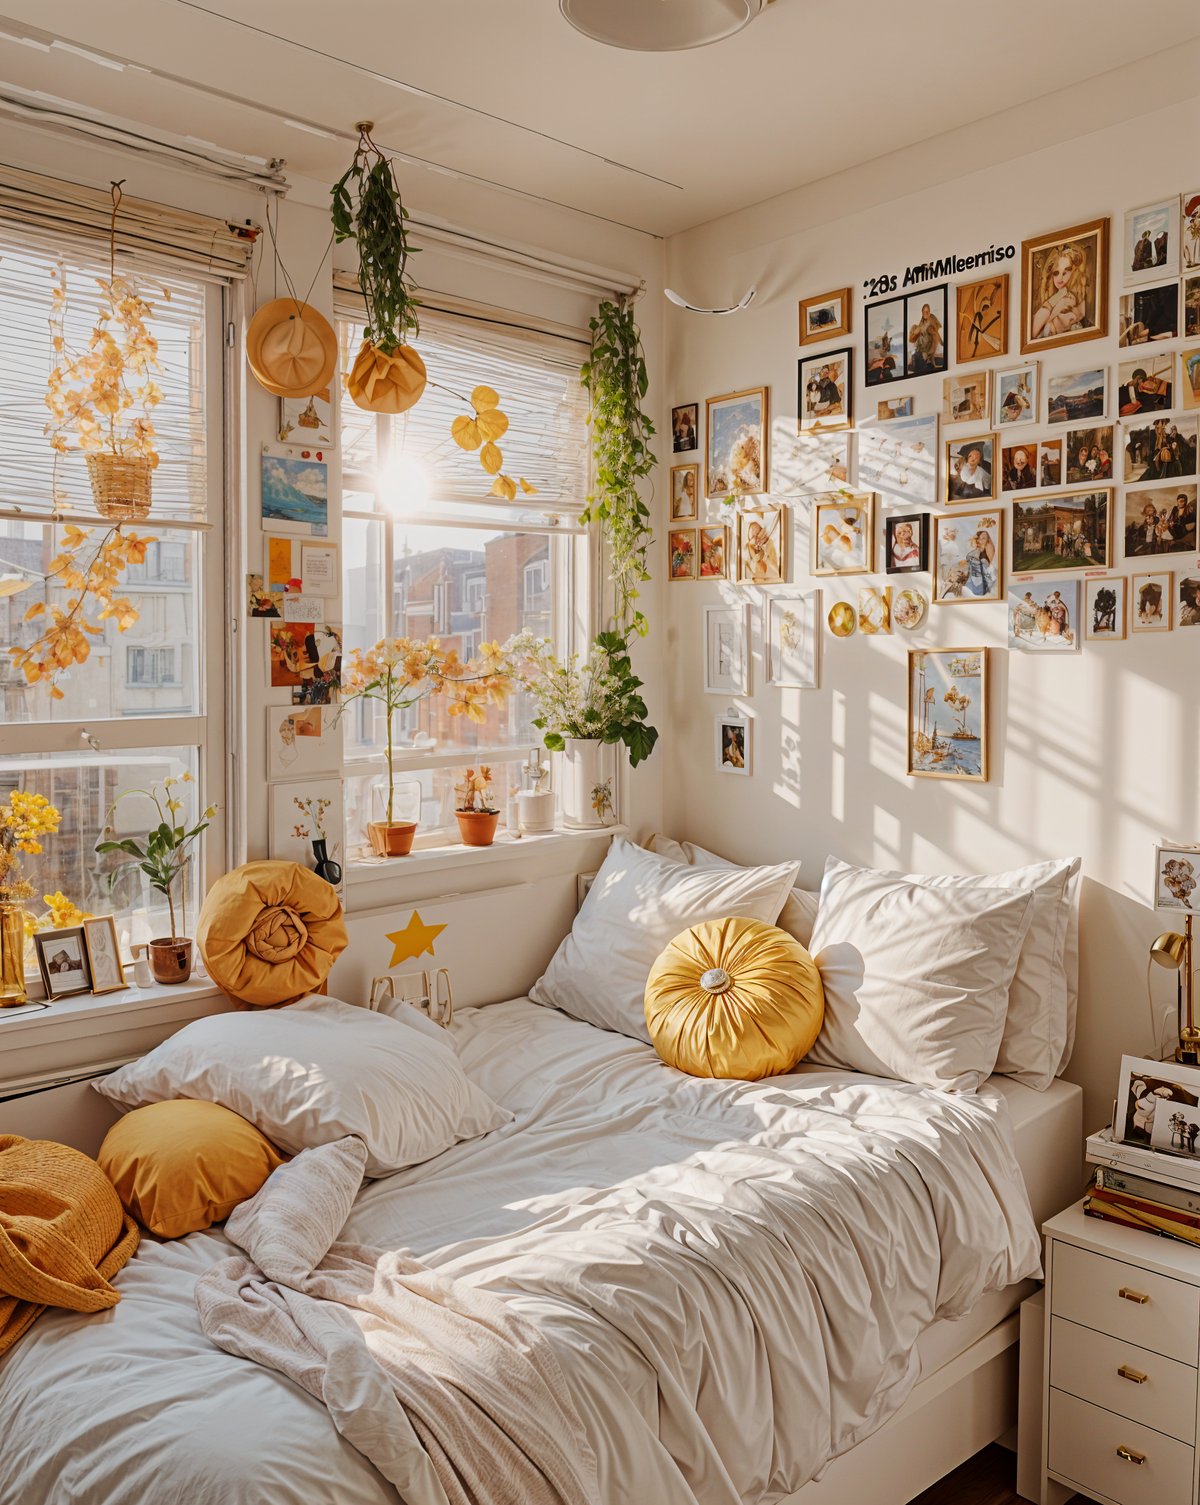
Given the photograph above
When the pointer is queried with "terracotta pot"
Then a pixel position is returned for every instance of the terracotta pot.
(477, 827)
(170, 961)
(391, 838)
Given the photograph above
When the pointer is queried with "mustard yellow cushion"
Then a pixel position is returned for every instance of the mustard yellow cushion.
(183, 1165)
(734, 998)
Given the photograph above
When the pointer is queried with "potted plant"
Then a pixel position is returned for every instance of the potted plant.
(475, 810)
(163, 859)
(397, 673)
(24, 820)
(312, 812)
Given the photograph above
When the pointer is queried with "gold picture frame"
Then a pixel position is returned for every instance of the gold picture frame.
(981, 319)
(835, 307)
(763, 545)
(682, 495)
(962, 482)
(961, 751)
(960, 564)
(737, 443)
(1064, 287)
(843, 533)
(104, 954)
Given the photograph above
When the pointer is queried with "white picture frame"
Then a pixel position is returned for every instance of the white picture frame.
(734, 743)
(727, 650)
(1177, 878)
(792, 640)
(1160, 223)
(1142, 1088)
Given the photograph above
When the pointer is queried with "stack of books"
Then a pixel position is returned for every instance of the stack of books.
(1128, 1186)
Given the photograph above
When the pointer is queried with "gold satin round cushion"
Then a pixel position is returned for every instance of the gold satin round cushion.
(734, 998)
(183, 1165)
(269, 932)
(383, 382)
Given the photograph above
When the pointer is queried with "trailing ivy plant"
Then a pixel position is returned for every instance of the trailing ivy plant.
(367, 208)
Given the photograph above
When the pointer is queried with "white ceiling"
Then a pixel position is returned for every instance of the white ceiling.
(509, 93)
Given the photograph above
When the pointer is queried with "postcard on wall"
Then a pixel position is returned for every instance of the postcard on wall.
(307, 421)
(966, 397)
(282, 565)
(1077, 396)
(898, 458)
(1189, 600)
(306, 657)
(1146, 385)
(1019, 467)
(319, 569)
(1189, 363)
(1043, 617)
(261, 602)
(887, 408)
(1151, 245)
(737, 459)
(1050, 463)
(1017, 397)
(792, 640)
(1071, 532)
(982, 314)
(1159, 449)
(302, 740)
(303, 608)
(968, 557)
(947, 713)
(1149, 314)
(295, 492)
(1104, 609)
(1150, 601)
(1090, 454)
(302, 812)
(1160, 520)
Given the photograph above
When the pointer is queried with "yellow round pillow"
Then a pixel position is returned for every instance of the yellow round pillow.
(734, 998)
(182, 1165)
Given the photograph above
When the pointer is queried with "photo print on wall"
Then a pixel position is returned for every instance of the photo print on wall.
(947, 713)
(1064, 287)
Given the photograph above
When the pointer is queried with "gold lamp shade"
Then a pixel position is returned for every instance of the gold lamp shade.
(1169, 949)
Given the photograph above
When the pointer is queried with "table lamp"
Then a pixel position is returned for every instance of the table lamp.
(1177, 887)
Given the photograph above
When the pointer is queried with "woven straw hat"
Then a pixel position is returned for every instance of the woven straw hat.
(292, 349)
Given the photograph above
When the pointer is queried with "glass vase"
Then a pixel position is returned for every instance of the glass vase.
(12, 956)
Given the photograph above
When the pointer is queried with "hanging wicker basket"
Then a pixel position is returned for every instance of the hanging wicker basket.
(120, 486)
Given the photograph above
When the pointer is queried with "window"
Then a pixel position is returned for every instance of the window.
(428, 553)
(138, 710)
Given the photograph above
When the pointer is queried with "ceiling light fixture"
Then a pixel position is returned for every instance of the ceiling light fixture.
(681, 302)
(659, 25)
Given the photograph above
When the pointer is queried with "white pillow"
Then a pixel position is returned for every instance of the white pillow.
(916, 978)
(637, 903)
(288, 1225)
(315, 1072)
(799, 908)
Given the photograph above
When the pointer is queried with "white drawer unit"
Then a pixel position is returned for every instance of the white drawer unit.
(1121, 1379)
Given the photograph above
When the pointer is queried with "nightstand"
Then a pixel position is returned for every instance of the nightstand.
(1120, 1380)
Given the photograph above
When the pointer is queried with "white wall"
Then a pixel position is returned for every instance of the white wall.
(1092, 753)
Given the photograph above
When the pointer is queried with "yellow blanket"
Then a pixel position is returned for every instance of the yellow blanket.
(63, 1234)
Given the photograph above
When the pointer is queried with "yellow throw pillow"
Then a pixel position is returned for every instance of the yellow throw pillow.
(183, 1165)
(734, 998)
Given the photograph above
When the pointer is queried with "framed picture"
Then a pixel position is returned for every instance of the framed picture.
(714, 552)
(884, 342)
(301, 741)
(1189, 600)
(906, 542)
(1090, 454)
(1077, 396)
(727, 650)
(1044, 618)
(1157, 1103)
(1064, 287)
(1104, 607)
(1191, 307)
(887, 408)
(971, 469)
(1150, 601)
(1146, 385)
(1016, 395)
(899, 459)
(1069, 532)
(291, 830)
(103, 954)
(1050, 463)
(684, 422)
(295, 491)
(738, 454)
(762, 545)
(1177, 879)
(825, 390)
(583, 887)
(981, 325)
(733, 744)
(826, 316)
(307, 421)
(1158, 449)
(968, 557)
(1149, 314)
(1189, 231)
(685, 492)
(1189, 372)
(1160, 520)
(792, 640)
(966, 397)
(1019, 467)
(681, 554)
(925, 321)
(948, 713)
(843, 532)
(1151, 242)
(875, 609)
(62, 961)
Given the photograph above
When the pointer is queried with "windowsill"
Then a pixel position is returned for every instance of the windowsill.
(434, 859)
(83, 1006)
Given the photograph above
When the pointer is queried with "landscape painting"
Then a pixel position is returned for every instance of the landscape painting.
(295, 493)
(1062, 532)
(1077, 396)
(947, 714)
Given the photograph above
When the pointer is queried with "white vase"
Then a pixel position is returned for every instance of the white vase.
(584, 769)
(536, 811)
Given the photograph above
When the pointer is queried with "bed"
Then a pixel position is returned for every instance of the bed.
(727, 1325)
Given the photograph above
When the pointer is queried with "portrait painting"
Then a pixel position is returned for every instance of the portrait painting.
(1064, 287)
(295, 491)
(948, 713)
(103, 954)
(1159, 449)
(826, 316)
(968, 557)
(792, 639)
(1188, 600)
(1090, 454)
(738, 444)
(681, 554)
(1050, 463)
(893, 407)
(685, 491)
(685, 421)
(762, 545)
(1177, 878)
(899, 459)
(1191, 307)
(1065, 532)
(1019, 468)
(981, 319)
(825, 390)
(843, 529)
(1152, 1093)
(727, 650)
(971, 469)
(62, 961)
(1189, 364)
(884, 341)
(906, 542)
(1148, 315)
(301, 740)
(1151, 244)
(1016, 395)
(966, 397)
(1150, 597)
(733, 744)
(1043, 617)
(925, 324)
(1189, 231)
(307, 658)
(1104, 606)
(714, 553)
(1146, 385)
(875, 609)
(1160, 520)
(1077, 396)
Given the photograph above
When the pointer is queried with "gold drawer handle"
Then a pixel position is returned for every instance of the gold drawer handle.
(1135, 1375)
(1130, 1456)
(1127, 1295)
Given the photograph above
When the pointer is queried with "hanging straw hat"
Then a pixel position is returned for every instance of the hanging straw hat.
(292, 349)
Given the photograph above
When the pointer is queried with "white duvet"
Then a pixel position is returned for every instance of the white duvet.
(732, 1275)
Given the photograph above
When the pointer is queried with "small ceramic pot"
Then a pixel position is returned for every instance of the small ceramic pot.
(536, 810)
(170, 961)
(324, 864)
(391, 838)
(477, 827)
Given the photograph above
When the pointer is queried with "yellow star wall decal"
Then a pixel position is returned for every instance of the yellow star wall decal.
(414, 940)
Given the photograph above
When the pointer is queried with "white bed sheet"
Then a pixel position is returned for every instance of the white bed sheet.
(786, 1314)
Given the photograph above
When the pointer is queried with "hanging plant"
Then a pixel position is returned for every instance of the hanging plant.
(480, 433)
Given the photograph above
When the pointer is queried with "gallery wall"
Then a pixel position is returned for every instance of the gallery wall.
(1092, 752)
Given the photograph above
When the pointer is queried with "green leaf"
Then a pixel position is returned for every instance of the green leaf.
(554, 741)
(640, 740)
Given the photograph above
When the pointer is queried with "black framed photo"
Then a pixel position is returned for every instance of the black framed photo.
(63, 961)
(883, 342)
(685, 428)
(925, 331)
(906, 543)
(825, 390)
